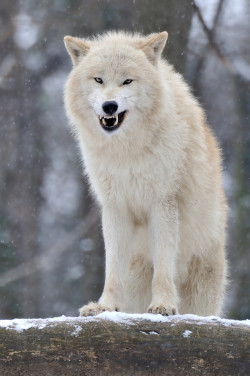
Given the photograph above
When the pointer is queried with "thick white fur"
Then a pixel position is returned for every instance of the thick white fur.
(157, 178)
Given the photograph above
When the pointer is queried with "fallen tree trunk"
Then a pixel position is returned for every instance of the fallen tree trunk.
(119, 344)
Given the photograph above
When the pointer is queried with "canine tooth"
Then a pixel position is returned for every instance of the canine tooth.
(116, 119)
(104, 121)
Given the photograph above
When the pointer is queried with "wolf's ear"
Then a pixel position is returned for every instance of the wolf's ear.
(154, 45)
(76, 48)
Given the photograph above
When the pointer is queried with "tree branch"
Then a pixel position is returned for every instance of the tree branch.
(218, 14)
(120, 344)
(239, 66)
(210, 36)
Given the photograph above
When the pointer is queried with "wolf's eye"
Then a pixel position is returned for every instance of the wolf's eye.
(99, 80)
(127, 82)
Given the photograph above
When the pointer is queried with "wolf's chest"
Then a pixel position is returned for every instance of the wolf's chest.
(130, 186)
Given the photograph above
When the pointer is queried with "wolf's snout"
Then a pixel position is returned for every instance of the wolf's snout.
(110, 107)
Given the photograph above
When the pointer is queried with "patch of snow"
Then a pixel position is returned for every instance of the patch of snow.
(118, 317)
(75, 333)
(187, 333)
(121, 317)
(20, 325)
(147, 333)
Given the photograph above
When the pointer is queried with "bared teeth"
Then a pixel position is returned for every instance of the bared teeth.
(109, 124)
(103, 119)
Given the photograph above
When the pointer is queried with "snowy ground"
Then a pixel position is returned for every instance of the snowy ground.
(20, 325)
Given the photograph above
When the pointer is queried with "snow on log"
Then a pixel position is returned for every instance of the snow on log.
(115, 343)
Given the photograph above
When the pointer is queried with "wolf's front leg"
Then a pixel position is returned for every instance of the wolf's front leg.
(116, 232)
(163, 236)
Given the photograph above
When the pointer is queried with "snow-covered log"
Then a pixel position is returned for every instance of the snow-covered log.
(121, 344)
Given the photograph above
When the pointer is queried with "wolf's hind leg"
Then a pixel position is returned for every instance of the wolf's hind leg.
(202, 292)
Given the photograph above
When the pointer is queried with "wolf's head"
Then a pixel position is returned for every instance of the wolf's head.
(114, 80)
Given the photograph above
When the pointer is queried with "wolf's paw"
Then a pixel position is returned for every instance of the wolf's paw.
(94, 308)
(165, 310)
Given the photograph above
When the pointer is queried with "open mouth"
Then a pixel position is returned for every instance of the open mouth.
(111, 123)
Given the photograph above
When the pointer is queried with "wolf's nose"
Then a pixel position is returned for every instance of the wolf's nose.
(110, 107)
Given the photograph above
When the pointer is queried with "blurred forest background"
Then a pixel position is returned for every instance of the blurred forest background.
(51, 247)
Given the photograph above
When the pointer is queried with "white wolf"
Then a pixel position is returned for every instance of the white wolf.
(155, 169)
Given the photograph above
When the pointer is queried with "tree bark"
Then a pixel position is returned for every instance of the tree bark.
(131, 346)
